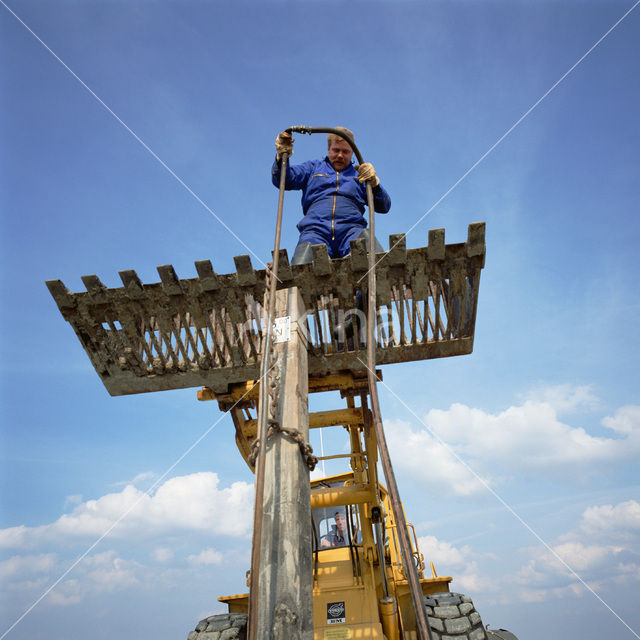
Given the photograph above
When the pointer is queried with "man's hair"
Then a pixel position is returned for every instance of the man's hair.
(332, 137)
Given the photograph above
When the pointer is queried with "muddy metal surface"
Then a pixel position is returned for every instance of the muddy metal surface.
(207, 331)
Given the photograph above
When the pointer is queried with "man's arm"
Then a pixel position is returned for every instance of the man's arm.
(381, 199)
(297, 175)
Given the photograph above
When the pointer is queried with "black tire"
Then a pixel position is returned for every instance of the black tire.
(225, 626)
(452, 616)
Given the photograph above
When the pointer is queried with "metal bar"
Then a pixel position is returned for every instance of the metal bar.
(218, 337)
(177, 322)
(285, 599)
(201, 324)
(448, 306)
(165, 334)
(263, 409)
(424, 631)
(188, 321)
(420, 323)
(342, 455)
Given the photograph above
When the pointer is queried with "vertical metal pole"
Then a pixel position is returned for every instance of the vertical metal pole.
(410, 571)
(285, 581)
(263, 406)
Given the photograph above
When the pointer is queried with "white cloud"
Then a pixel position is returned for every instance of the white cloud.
(31, 575)
(441, 552)
(143, 477)
(564, 398)
(626, 420)
(575, 555)
(107, 571)
(73, 500)
(619, 522)
(602, 550)
(21, 566)
(186, 503)
(162, 554)
(448, 560)
(68, 593)
(526, 437)
(101, 573)
(206, 557)
(317, 473)
(195, 503)
(13, 537)
(531, 595)
(429, 461)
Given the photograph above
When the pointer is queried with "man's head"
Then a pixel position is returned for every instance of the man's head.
(340, 522)
(339, 150)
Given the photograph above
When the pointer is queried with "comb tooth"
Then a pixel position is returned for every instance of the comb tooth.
(475, 239)
(284, 268)
(207, 277)
(63, 297)
(132, 283)
(383, 288)
(359, 260)
(321, 260)
(436, 250)
(397, 249)
(170, 281)
(94, 287)
(245, 272)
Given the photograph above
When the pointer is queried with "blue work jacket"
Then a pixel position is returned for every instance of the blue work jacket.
(333, 202)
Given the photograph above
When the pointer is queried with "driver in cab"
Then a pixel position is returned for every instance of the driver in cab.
(337, 536)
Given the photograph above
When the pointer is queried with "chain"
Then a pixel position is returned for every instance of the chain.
(274, 426)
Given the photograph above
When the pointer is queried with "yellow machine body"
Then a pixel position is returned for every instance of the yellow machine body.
(349, 599)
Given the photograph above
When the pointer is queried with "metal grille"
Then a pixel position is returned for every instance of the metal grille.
(207, 331)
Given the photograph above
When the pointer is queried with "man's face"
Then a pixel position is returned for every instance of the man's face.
(340, 522)
(340, 154)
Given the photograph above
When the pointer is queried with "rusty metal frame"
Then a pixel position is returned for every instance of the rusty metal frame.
(207, 331)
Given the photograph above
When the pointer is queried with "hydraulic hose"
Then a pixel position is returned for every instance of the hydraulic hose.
(377, 525)
(410, 570)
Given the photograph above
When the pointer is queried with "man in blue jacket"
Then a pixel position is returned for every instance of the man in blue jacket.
(334, 197)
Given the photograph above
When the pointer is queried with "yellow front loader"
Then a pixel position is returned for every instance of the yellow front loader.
(359, 585)
(333, 558)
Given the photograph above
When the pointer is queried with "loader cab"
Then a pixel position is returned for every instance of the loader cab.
(344, 585)
(335, 526)
(337, 512)
(343, 533)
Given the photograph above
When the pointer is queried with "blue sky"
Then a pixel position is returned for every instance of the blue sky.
(546, 410)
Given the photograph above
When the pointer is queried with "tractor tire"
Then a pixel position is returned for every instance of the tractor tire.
(452, 616)
(225, 626)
